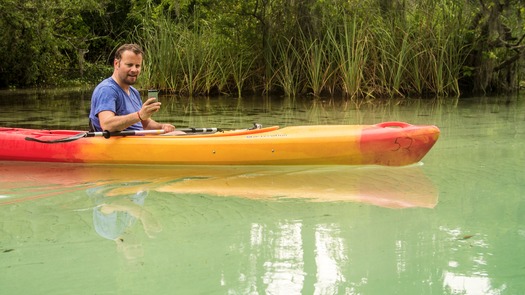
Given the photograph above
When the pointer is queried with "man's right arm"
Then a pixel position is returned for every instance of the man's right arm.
(111, 122)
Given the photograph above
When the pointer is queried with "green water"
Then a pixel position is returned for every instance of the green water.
(453, 224)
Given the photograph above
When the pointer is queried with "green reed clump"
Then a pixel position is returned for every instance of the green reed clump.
(450, 49)
(350, 56)
(180, 59)
(239, 62)
(287, 72)
(358, 53)
(316, 64)
(160, 66)
(419, 53)
(391, 54)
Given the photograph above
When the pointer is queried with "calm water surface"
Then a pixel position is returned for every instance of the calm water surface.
(453, 224)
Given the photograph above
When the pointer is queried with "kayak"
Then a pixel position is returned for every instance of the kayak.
(387, 143)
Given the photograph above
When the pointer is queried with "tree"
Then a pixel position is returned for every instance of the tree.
(497, 46)
(42, 39)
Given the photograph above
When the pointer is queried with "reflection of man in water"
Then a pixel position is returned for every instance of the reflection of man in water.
(115, 215)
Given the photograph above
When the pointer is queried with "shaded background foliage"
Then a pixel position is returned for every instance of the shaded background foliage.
(366, 48)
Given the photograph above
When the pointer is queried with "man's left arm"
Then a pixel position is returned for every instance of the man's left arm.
(150, 124)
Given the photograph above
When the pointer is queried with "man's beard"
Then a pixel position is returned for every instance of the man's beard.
(130, 80)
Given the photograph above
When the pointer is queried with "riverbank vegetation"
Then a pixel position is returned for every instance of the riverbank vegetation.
(355, 49)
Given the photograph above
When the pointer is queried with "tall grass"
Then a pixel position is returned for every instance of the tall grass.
(393, 54)
(359, 54)
(181, 60)
(239, 64)
(419, 55)
(287, 74)
(161, 62)
(350, 55)
(316, 64)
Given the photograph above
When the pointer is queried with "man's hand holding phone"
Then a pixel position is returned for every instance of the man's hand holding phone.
(151, 105)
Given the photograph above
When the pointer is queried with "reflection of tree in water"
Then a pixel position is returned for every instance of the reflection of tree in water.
(117, 211)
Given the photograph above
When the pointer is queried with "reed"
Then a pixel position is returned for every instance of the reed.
(287, 74)
(160, 66)
(441, 50)
(362, 54)
(215, 76)
(239, 63)
(453, 51)
(415, 75)
(191, 57)
(382, 61)
(316, 64)
(418, 54)
(350, 55)
(181, 60)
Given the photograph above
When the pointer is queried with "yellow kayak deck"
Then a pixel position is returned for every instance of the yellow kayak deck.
(389, 143)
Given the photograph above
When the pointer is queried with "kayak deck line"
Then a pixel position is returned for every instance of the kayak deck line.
(387, 143)
(70, 135)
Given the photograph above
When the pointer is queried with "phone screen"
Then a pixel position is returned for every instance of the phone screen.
(153, 93)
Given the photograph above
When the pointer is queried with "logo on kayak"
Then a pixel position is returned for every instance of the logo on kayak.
(266, 135)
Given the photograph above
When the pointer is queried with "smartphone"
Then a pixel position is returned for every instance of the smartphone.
(153, 93)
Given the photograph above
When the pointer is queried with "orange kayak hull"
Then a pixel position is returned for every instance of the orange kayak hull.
(388, 144)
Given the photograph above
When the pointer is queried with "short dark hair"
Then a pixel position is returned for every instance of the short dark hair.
(132, 47)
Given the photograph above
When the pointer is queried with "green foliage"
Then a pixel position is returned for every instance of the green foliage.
(40, 40)
(357, 48)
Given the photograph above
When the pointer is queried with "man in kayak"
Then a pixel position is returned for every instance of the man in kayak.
(116, 105)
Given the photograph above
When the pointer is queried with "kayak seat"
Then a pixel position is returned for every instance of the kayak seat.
(91, 126)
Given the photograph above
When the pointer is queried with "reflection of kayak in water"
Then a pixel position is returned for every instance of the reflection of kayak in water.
(393, 187)
(385, 187)
(388, 143)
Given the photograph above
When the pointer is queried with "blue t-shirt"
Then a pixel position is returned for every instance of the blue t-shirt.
(108, 96)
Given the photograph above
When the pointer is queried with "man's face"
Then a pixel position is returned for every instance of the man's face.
(128, 67)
